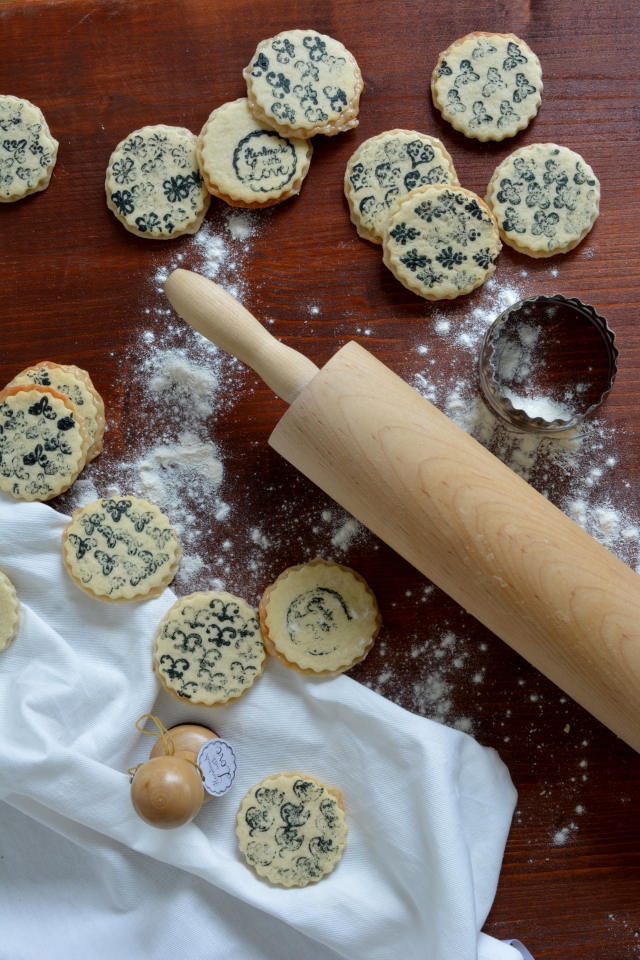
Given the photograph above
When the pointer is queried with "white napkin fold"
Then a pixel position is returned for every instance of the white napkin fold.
(428, 808)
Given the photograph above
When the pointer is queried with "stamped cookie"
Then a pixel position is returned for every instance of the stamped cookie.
(9, 611)
(319, 618)
(487, 85)
(208, 649)
(43, 442)
(303, 83)
(245, 162)
(28, 152)
(76, 384)
(292, 829)
(441, 242)
(387, 167)
(545, 198)
(120, 548)
(154, 186)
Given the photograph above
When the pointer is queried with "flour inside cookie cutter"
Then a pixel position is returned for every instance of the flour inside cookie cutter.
(560, 320)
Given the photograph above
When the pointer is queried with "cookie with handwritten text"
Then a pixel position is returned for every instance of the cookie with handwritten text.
(43, 442)
(292, 829)
(441, 242)
(120, 549)
(546, 199)
(487, 85)
(154, 185)
(28, 152)
(303, 83)
(319, 618)
(387, 167)
(9, 611)
(209, 649)
(76, 384)
(247, 163)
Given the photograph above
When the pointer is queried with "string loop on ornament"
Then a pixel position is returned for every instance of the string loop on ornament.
(163, 735)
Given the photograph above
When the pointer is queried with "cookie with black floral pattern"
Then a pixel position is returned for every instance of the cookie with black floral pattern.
(387, 167)
(43, 442)
(545, 198)
(76, 384)
(303, 83)
(154, 185)
(120, 549)
(209, 649)
(28, 152)
(441, 242)
(247, 163)
(292, 829)
(487, 85)
(9, 611)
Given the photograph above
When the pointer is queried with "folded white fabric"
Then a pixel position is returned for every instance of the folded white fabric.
(428, 808)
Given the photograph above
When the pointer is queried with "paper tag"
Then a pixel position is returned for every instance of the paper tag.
(217, 761)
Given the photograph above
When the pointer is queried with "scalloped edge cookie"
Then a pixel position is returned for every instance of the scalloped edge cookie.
(45, 180)
(363, 231)
(81, 375)
(84, 436)
(9, 611)
(270, 643)
(199, 595)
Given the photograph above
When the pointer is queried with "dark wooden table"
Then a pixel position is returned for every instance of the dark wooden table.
(75, 286)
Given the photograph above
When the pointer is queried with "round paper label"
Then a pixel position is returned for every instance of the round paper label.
(217, 761)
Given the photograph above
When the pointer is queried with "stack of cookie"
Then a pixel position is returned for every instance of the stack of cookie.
(253, 152)
(440, 240)
(52, 422)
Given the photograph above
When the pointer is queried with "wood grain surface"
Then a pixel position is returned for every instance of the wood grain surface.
(76, 287)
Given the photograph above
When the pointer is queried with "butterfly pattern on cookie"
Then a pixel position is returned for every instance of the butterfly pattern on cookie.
(27, 150)
(209, 648)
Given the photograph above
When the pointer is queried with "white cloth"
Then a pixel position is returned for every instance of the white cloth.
(428, 808)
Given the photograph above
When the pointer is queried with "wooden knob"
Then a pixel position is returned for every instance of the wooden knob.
(186, 736)
(167, 792)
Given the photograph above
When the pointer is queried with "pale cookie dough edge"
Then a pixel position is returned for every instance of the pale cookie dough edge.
(363, 231)
(84, 436)
(191, 228)
(7, 587)
(233, 201)
(347, 119)
(406, 281)
(270, 644)
(458, 124)
(45, 180)
(79, 374)
(333, 791)
(156, 664)
(528, 251)
(149, 595)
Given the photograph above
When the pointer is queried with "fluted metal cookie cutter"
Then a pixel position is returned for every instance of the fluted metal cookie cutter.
(494, 390)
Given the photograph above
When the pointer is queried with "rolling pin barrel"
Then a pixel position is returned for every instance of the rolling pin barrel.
(452, 509)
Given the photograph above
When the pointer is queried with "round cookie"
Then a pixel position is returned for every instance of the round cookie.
(545, 198)
(487, 85)
(43, 442)
(387, 167)
(292, 829)
(76, 384)
(154, 186)
(441, 242)
(9, 611)
(302, 83)
(319, 618)
(28, 152)
(208, 649)
(247, 163)
(120, 549)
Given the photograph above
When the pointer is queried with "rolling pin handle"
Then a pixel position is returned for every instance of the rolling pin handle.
(220, 318)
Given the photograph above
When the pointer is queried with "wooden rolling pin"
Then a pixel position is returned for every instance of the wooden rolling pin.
(448, 506)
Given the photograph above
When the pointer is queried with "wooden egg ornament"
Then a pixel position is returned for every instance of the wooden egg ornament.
(167, 791)
(186, 736)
